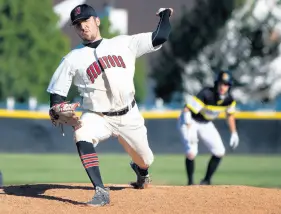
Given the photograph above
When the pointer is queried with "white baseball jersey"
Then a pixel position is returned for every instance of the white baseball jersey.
(104, 76)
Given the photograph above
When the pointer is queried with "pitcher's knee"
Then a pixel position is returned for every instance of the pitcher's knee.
(82, 135)
(219, 152)
(147, 161)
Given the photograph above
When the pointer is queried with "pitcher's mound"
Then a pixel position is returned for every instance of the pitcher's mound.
(70, 198)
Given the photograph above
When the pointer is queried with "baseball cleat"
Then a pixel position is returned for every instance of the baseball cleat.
(101, 197)
(142, 181)
(204, 182)
(190, 183)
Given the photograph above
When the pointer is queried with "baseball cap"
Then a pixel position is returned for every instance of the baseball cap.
(224, 77)
(82, 11)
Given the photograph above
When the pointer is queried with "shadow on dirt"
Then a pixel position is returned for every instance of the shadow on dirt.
(38, 190)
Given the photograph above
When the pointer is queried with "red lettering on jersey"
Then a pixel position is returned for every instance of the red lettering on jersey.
(90, 75)
(116, 61)
(93, 71)
(102, 64)
(97, 68)
(121, 61)
(106, 61)
(111, 61)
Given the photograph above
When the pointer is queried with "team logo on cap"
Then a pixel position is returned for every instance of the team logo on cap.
(225, 77)
(77, 11)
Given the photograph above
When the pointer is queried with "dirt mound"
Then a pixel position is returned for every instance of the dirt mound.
(70, 198)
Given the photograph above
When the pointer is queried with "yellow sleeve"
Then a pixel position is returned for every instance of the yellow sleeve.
(195, 104)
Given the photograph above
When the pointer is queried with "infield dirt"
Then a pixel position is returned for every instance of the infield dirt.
(70, 198)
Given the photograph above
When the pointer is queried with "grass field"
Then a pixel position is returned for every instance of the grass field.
(264, 171)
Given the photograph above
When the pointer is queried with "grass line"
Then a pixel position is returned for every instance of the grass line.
(256, 170)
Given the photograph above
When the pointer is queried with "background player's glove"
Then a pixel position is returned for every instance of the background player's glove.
(64, 113)
(234, 140)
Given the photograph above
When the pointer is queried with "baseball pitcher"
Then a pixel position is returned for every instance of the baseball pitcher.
(103, 71)
(195, 123)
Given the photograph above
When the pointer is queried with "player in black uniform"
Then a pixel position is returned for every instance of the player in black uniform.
(195, 123)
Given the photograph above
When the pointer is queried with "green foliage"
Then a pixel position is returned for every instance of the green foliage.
(167, 75)
(239, 3)
(191, 32)
(105, 28)
(140, 80)
(31, 47)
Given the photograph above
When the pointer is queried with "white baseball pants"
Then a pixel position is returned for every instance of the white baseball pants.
(129, 129)
(201, 132)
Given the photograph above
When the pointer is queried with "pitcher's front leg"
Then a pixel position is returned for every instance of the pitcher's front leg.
(142, 158)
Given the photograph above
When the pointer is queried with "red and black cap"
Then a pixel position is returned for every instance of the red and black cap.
(82, 11)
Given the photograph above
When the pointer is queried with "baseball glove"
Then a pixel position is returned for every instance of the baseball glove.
(64, 114)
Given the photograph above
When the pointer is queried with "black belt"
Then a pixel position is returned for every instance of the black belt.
(120, 112)
(199, 118)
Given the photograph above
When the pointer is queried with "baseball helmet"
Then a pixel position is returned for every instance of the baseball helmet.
(224, 77)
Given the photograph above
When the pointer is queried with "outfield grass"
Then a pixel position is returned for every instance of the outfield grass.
(259, 170)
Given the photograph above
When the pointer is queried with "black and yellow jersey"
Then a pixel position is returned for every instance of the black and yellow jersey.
(207, 105)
